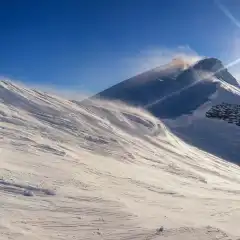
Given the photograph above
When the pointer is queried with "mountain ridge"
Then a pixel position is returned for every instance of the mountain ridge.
(189, 95)
(151, 85)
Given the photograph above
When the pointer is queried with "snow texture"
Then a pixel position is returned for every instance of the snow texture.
(105, 170)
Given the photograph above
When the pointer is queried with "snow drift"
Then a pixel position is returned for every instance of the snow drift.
(106, 170)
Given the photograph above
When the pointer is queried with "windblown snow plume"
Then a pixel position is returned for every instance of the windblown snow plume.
(105, 170)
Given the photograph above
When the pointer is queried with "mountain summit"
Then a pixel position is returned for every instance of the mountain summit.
(217, 68)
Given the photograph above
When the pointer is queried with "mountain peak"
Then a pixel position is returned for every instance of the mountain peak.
(209, 64)
(149, 87)
(216, 67)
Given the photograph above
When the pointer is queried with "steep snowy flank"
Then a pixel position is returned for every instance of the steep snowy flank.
(215, 135)
(150, 86)
(216, 67)
(105, 170)
(190, 98)
(146, 87)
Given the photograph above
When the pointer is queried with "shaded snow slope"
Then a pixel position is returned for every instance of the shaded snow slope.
(214, 135)
(105, 170)
(183, 102)
(148, 87)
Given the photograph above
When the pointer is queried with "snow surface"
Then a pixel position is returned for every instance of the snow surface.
(105, 170)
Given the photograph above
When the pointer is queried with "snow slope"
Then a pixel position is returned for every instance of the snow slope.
(105, 170)
(216, 136)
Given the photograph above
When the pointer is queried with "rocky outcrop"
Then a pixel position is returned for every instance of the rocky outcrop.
(225, 111)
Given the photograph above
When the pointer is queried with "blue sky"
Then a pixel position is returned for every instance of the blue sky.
(88, 45)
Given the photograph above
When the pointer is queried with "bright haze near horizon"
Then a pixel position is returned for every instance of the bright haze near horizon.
(86, 46)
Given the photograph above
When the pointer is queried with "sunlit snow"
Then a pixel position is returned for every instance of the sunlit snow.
(105, 170)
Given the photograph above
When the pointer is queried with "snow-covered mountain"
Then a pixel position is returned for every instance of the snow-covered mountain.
(182, 96)
(106, 170)
(148, 87)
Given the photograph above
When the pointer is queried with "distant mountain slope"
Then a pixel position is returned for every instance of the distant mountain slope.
(183, 97)
(215, 134)
(185, 101)
(152, 85)
(145, 87)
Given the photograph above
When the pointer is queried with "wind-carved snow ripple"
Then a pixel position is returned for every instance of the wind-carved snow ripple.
(23, 189)
(99, 126)
(134, 177)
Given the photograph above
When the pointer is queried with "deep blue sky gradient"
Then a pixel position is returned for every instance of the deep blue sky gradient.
(83, 43)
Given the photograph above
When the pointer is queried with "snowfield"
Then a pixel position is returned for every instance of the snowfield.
(105, 170)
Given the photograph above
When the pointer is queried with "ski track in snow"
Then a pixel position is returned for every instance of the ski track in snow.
(105, 170)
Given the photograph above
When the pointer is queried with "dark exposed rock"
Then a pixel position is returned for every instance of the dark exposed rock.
(225, 111)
